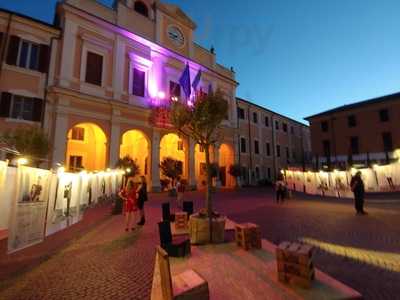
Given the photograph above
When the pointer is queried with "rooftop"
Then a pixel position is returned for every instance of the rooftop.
(359, 104)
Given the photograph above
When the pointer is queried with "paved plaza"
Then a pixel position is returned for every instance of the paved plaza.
(107, 263)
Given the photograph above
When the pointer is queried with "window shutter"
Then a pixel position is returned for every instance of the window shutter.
(5, 105)
(94, 68)
(138, 83)
(44, 58)
(12, 53)
(37, 109)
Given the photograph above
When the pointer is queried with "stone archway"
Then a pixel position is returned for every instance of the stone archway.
(86, 148)
(226, 160)
(171, 145)
(136, 145)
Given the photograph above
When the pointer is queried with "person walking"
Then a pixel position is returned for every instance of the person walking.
(357, 187)
(128, 194)
(280, 190)
(142, 198)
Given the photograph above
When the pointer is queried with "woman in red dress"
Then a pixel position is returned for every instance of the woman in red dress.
(129, 196)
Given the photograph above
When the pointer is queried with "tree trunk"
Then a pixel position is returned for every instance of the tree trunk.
(208, 190)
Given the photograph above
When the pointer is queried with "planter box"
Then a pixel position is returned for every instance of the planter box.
(199, 231)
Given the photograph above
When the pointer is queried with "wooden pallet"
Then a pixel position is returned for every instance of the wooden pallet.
(248, 235)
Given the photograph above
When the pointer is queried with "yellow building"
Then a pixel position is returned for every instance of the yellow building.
(98, 79)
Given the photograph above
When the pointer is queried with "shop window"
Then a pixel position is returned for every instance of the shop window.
(94, 68)
(138, 84)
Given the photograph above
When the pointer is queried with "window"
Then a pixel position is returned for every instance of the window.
(138, 85)
(284, 127)
(75, 163)
(266, 122)
(324, 126)
(240, 112)
(326, 146)
(276, 125)
(28, 56)
(351, 121)
(384, 115)
(201, 148)
(180, 145)
(257, 173)
(354, 147)
(269, 172)
(287, 153)
(203, 169)
(256, 147)
(278, 151)
(387, 141)
(78, 133)
(255, 117)
(268, 149)
(174, 89)
(243, 145)
(141, 8)
(21, 108)
(94, 68)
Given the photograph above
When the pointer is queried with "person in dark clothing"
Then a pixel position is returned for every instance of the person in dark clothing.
(280, 188)
(357, 187)
(142, 198)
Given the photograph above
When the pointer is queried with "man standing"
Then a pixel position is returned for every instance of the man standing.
(280, 189)
(357, 187)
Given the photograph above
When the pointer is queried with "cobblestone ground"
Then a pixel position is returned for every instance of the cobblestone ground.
(107, 263)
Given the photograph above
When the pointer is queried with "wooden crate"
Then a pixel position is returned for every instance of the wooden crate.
(181, 220)
(248, 235)
(294, 264)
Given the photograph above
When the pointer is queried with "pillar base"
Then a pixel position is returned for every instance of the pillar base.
(156, 189)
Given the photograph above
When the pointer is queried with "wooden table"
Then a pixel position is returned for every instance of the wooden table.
(233, 273)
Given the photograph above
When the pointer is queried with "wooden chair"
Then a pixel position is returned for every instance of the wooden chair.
(177, 246)
(188, 207)
(166, 213)
(187, 285)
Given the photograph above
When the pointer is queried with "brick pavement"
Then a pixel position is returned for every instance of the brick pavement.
(107, 263)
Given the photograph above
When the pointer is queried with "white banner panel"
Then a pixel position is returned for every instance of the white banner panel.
(28, 212)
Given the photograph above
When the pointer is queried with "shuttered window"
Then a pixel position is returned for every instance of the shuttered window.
(21, 108)
(28, 55)
(138, 84)
(94, 68)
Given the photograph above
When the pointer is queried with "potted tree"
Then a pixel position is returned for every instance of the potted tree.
(235, 171)
(171, 168)
(202, 122)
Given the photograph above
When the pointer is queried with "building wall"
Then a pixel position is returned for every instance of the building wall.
(296, 140)
(368, 129)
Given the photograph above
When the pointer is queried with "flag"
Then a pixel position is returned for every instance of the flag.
(196, 80)
(184, 81)
(210, 89)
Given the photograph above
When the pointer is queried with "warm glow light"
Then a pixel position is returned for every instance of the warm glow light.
(128, 170)
(60, 170)
(108, 170)
(282, 172)
(190, 103)
(375, 166)
(22, 161)
(174, 99)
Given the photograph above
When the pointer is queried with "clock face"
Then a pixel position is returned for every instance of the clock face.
(176, 36)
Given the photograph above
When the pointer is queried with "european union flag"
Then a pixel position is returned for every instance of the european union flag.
(184, 81)
(196, 80)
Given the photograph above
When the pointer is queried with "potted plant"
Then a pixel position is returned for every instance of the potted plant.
(201, 121)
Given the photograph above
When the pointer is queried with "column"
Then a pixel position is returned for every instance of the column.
(192, 165)
(60, 140)
(155, 161)
(114, 144)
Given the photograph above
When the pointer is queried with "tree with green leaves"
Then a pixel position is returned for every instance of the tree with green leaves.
(202, 122)
(129, 165)
(31, 142)
(171, 168)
